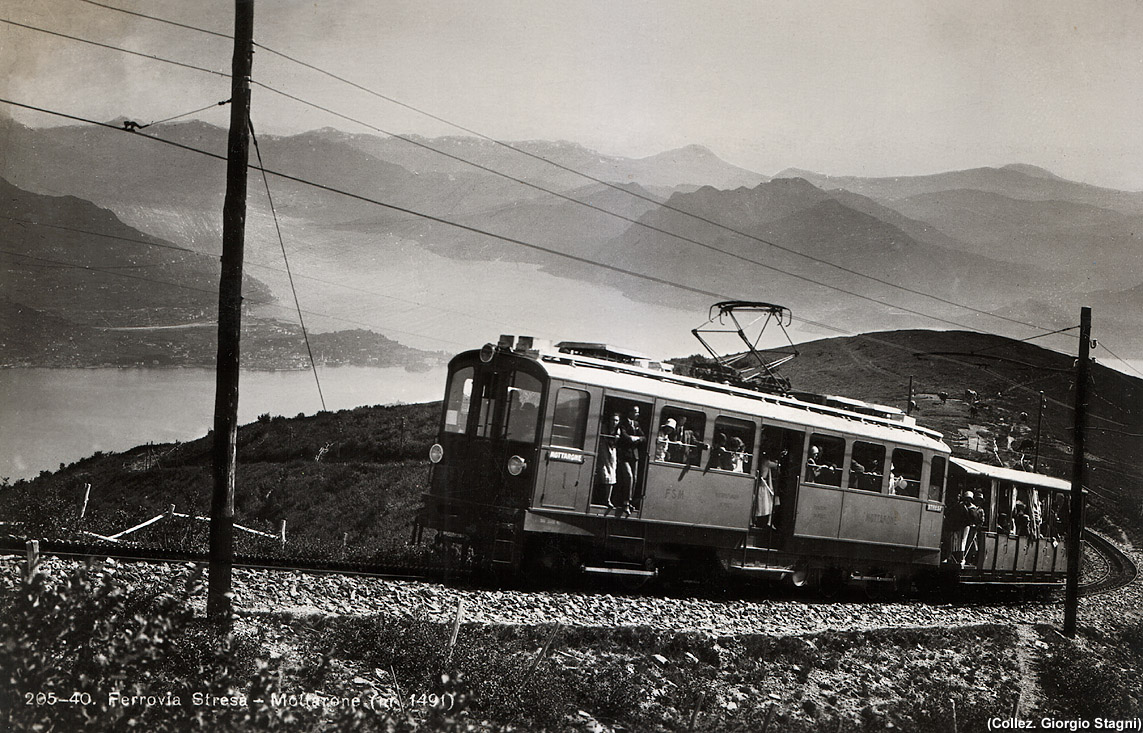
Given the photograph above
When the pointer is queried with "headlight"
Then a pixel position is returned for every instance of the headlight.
(516, 465)
(487, 352)
(436, 453)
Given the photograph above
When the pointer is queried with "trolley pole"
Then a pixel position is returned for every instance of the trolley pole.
(1079, 466)
(218, 603)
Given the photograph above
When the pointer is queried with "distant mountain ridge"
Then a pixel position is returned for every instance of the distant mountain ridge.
(995, 239)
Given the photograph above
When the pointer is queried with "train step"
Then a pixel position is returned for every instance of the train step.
(620, 570)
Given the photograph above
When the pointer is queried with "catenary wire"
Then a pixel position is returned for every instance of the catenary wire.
(286, 260)
(589, 177)
(477, 230)
(115, 48)
(214, 258)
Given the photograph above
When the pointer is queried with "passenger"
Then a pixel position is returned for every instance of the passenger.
(957, 520)
(685, 441)
(817, 471)
(631, 441)
(856, 475)
(663, 441)
(736, 455)
(898, 485)
(718, 453)
(872, 478)
(608, 460)
(972, 533)
(766, 499)
(1023, 520)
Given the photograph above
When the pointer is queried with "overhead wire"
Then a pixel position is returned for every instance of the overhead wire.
(261, 265)
(246, 301)
(286, 260)
(1126, 364)
(690, 240)
(477, 230)
(597, 180)
(115, 48)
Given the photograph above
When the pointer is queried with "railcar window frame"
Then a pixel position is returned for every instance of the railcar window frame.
(672, 449)
(740, 428)
(576, 434)
(937, 483)
(459, 398)
(865, 482)
(833, 460)
(912, 459)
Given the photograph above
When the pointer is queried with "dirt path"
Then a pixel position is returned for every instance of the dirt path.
(1031, 697)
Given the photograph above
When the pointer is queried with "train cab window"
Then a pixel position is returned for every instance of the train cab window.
(867, 467)
(905, 473)
(937, 478)
(458, 401)
(679, 438)
(827, 454)
(733, 444)
(569, 424)
(523, 407)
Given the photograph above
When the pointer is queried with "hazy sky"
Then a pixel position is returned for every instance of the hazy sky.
(841, 87)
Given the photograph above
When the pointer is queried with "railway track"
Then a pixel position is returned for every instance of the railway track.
(84, 550)
(1116, 571)
(1114, 568)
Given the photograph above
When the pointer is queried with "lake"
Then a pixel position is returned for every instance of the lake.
(49, 416)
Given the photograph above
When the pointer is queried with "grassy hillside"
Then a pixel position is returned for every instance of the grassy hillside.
(361, 472)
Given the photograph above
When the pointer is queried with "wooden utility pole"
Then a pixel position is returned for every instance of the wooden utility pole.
(1039, 424)
(230, 318)
(1079, 469)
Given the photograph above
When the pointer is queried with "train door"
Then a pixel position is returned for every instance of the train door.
(932, 513)
(568, 462)
(622, 454)
(782, 449)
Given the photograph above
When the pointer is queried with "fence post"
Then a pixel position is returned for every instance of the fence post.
(86, 496)
(170, 511)
(33, 560)
(455, 629)
(282, 532)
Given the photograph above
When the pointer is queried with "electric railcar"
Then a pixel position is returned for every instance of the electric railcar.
(859, 489)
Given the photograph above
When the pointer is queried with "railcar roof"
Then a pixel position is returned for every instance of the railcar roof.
(688, 390)
(1011, 474)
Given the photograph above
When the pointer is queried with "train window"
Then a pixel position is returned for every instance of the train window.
(937, 478)
(458, 401)
(569, 424)
(905, 473)
(1029, 512)
(735, 437)
(1056, 518)
(523, 407)
(827, 453)
(867, 467)
(1006, 508)
(679, 438)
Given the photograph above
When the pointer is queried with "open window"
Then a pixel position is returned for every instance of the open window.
(679, 437)
(867, 466)
(824, 461)
(905, 473)
(734, 443)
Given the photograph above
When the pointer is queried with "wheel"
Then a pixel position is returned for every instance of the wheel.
(831, 582)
